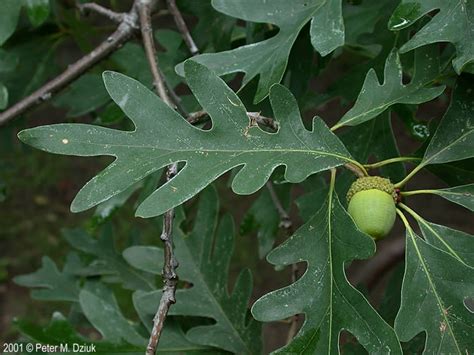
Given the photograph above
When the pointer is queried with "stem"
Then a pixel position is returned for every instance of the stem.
(389, 161)
(123, 32)
(144, 10)
(285, 220)
(357, 168)
(183, 29)
(170, 264)
(402, 183)
(417, 192)
(405, 221)
(93, 7)
(336, 126)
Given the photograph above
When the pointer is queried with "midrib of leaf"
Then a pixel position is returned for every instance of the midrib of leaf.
(446, 244)
(331, 193)
(449, 193)
(420, 219)
(217, 304)
(239, 152)
(433, 287)
(426, 162)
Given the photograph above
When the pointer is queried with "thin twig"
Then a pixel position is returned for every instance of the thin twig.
(254, 117)
(93, 7)
(170, 264)
(285, 220)
(182, 27)
(355, 169)
(123, 32)
(144, 10)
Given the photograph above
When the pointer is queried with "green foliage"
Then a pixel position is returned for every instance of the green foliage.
(375, 98)
(303, 64)
(232, 142)
(432, 301)
(453, 23)
(269, 58)
(330, 304)
(208, 245)
(9, 18)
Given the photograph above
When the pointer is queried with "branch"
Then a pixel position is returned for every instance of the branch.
(285, 220)
(170, 277)
(254, 117)
(355, 169)
(123, 32)
(144, 11)
(178, 19)
(93, 7)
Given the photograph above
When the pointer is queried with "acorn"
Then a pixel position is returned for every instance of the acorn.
(372, 202)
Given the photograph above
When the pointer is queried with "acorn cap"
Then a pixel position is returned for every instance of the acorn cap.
(369, 183)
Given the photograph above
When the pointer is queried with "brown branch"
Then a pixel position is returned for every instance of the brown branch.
(170, 277)
(285, 220)
(123, 32)
(254, 117)
(182, 27)
(144, 11)
(93, 7)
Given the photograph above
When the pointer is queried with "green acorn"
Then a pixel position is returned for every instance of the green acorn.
(372, 205)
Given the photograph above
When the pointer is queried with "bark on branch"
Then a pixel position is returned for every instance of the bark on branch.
(128, 26)
(170, 278)
(93, 7)
(182, 27)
